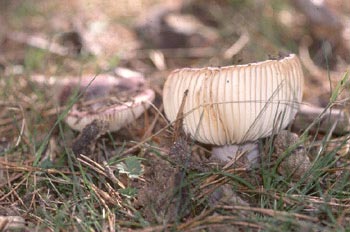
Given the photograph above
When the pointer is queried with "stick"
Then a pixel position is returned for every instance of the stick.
(237, 46)
(308, 113)
(38, 42)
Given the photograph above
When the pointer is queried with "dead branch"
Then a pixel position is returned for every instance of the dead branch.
(237, 46)
(9, 223)
(202, 52)
(38, 42)
(318, 13)
(341, 145)
(157, 57)
(270, 212)
(327, 119)
(324, 23)
(312, 68)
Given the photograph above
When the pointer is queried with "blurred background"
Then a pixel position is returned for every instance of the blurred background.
(154, 37)
(69, 38)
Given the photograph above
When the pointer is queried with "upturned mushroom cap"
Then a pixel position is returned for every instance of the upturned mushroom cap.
(114, 101)
(235, 104)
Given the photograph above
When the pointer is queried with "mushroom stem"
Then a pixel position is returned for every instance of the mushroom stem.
(249, 151)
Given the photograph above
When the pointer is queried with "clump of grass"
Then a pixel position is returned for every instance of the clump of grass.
(42, 181)
(82, 194)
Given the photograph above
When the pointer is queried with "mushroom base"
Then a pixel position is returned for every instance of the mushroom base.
(248, 153)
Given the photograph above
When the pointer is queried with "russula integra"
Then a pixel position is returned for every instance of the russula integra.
(235, 104)
(113, 101)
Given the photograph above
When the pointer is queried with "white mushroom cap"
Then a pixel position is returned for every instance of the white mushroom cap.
(114, 101)
(235, 104)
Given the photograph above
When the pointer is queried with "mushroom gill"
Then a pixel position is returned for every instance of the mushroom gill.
(235, 104)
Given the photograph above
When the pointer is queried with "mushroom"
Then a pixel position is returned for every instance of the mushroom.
(234, 105)
(101, 103)
(115, 101)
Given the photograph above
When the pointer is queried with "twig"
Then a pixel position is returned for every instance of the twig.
(4, 196)
(313, 69)
(9, 223)
(38, 42)
(220, 219)
(153, 228)
(237, 46)
(6, 123)
(201, 52)
(10, 179)
(15, 167)
(157, 57)
(308, 113)
(92, 164)
(270, 212)
(341, 145)
(179, 118)
(190, 222)
(307, 201)
(318, 14)
(104, 197)
(215, 181)
(154, 122)
(111, 175)
(22, 127)
(206, 219)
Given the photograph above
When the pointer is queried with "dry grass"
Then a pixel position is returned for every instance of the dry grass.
(138, 179)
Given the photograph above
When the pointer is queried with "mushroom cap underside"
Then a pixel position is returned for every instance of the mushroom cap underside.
(116, 116)
(114, 101)
(235, 104)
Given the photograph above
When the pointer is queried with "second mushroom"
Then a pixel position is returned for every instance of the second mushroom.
(101, 103)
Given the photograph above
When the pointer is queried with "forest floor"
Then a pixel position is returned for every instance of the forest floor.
(136, 179)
